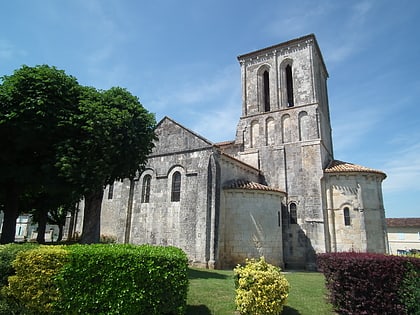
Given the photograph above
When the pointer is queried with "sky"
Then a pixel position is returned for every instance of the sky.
(180, 59)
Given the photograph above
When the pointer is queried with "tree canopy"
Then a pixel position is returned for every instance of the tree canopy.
(60, 137)
(35, 103)
(113, 134)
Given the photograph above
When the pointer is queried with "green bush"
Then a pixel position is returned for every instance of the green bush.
(8, 304)
(8, 253)
(94, 279)
(33, 284)
(261, 289)
(123, 279)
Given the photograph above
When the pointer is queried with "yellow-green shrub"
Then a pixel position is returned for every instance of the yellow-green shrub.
(33, 284)
(261, 289)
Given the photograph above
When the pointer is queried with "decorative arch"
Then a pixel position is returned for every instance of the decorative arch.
(286, 131)
(270, 135)
(264, 88)
(255, 132)
(304, 126)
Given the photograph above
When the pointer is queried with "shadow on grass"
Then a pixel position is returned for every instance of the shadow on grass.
(197, 310)
(287, 310)
(202, 274)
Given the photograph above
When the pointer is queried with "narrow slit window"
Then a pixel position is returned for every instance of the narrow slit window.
(145, 193)
(176, 187)
(293, 213)
(289, 86)
(266, 91)
(346, 216)
(111, 191)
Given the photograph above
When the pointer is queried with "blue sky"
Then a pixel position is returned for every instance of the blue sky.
(179, 58)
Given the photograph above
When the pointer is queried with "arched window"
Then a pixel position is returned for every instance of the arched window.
(176, 187)
(145, 191)
(346, 212)
(293, 213)
(266, 91)
(111, 191)
(289, 86)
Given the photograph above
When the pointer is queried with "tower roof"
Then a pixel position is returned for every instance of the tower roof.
(310, 38)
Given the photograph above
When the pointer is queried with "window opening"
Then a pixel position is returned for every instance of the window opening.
(145, 193)
(346, 216)
(266, 91)
(293, 213)
(289, 86)
(176, 187)
(111, 191)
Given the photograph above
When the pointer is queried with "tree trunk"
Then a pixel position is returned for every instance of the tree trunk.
(11, 213)
(92, 217)
(60, 232)
(42, 224)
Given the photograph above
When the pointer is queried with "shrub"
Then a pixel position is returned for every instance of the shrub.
(8, 253)
(123, 279)
(8, 304)
(261, 289)
(361, 283)
(107, 239)
(33, 284)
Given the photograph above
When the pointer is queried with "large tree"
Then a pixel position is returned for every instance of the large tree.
(36, 104)
(112, 136)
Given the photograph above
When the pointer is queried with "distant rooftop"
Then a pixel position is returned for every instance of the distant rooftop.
(399, 222)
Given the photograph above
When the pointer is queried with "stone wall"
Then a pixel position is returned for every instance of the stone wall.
(252, 228)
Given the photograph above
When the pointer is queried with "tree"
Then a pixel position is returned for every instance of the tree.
(36, 104)
(111, 138)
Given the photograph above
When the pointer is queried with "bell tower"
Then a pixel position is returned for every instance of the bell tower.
(285, 131)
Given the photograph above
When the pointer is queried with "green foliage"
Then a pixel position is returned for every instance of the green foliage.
(409, 291)
(33, 284)
(123, 279)
(8, 304)
(8, 254)
(35, 105)
(261, 289)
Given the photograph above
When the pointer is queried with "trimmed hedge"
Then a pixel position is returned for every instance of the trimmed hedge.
(99, 279)
(363, 283)
(33, 285)
(124, 279)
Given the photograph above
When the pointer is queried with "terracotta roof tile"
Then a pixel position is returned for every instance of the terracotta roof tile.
(249, 185)
(396, 222)
(337, 166)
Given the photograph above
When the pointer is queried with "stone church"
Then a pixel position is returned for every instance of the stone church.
(276, 190)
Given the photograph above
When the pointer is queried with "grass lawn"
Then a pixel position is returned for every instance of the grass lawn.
(212, 292)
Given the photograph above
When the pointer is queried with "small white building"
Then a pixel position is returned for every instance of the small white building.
(403, 234)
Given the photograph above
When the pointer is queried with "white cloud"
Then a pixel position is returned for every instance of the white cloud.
(9, 51)
(403, 168)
